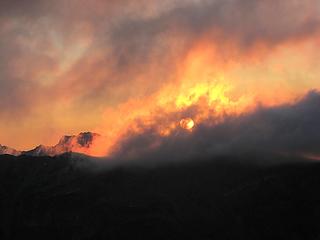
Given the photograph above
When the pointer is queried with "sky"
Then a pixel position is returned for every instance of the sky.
(123, 68)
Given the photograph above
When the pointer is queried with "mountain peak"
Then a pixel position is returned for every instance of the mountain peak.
(69, 143)
(40, 150)
(8, 150)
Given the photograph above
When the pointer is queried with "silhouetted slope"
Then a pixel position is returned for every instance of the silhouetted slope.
(7, 150)
(59, 198)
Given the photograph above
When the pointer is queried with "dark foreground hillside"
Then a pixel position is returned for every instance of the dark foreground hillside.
(56, 198)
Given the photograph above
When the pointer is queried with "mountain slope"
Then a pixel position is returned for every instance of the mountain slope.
(80, 143)
(225, 198)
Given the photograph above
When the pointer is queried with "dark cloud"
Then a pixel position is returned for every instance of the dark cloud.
(287, 129)
(29, 9)
(244, 21)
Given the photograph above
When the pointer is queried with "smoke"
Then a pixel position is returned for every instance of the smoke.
(291, 129)
(246, 22)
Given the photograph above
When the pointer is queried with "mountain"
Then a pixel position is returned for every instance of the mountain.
(223, 198)
(75, 143)
(80, 143)
(8, 150)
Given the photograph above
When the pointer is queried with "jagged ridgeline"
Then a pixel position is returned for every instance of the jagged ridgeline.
(74, 143)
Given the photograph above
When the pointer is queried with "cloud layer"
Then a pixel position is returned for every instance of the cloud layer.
(290, 129)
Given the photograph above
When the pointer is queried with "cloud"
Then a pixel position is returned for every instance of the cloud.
(30, 8)
(61, 59)
(245, 22)
(291, 129)
(134, 44)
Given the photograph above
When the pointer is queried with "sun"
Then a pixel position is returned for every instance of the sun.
(187, 123)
